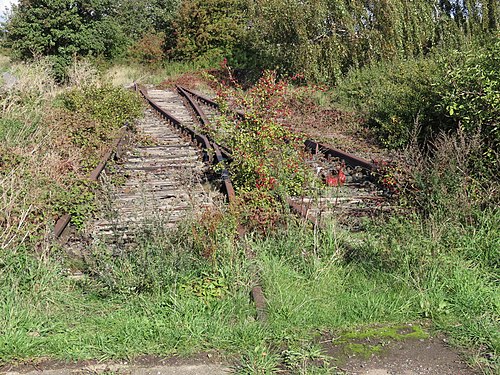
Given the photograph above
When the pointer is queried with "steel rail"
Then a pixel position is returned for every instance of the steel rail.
(202, 117)
(327, 150)
(311, 145)
(257, 292)
(64, 221)
(201, 139)
(301, 210)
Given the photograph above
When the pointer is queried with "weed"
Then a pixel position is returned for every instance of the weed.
(304, 359)
(46, 152)
(259, 361)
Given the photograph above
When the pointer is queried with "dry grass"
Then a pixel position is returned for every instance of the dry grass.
(448, 177)
(33, 88)
(4, 62)
(82, 73)
(126, 75)
(35, 151)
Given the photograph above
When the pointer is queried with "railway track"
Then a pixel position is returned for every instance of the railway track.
(166, 175)
(166, 180)
(358, 197)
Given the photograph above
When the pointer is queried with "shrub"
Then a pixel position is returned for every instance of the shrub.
(110, 106)
(46, 152)
(396, 97)
(430, 95)
(446, 182)
(471, 92)
(61, 29)
(267, 155)
(149, 49)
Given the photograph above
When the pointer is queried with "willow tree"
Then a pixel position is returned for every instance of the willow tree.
(325, 38)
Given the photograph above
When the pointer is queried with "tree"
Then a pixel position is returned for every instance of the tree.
(207, 29)
(62, 29)
(141, 17)
(324, 39)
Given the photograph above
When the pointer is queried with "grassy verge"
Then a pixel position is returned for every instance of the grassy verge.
(185, 291)
(124, 74)
(183, 303)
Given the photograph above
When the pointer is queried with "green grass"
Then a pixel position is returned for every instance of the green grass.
(308, 287)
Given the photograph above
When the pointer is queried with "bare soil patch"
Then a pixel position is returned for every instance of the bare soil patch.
(196, 364)
(389, 356)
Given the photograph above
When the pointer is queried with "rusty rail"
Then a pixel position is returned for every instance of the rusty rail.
(311, 145)
(65, 220)
(202, 117)
(257, 292)
(314, 147)
(203, 98)
(327, 150)
(200, 139)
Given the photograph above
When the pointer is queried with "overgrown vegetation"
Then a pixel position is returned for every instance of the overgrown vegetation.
(423, 97)
(51, 138)
(267, 154)
(423, 75)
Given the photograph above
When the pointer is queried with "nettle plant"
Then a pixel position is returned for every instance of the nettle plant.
(267, 155)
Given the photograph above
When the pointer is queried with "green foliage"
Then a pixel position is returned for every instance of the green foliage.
(260, 360)
(435, 257)
(139, 18)
(207, 287)
(12, 128)
(156, 298)
(325, 39)
(471, 91)
(92, 118)
(149, 48)
(207, 30)
(267, 155)
(111, 106)
(62, 29)
(429, 95)
(77, 198)
(156, 264)
(397, 98)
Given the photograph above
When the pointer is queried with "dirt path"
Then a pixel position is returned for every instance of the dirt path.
(410, 357)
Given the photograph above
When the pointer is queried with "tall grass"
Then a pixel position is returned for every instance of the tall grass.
(159, 297)
(187, 290)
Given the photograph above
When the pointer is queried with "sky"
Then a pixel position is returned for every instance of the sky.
(3, 5)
